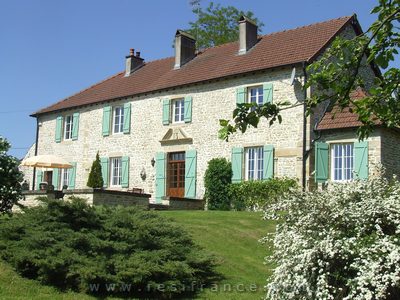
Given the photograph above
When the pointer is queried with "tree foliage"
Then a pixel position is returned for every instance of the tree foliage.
(217, 179)
(10, 178)
(218, 25)
(339, 71)
(341, 243)
(95, 179)
(117, 251)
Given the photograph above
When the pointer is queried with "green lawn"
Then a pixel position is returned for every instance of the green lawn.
(231, 236)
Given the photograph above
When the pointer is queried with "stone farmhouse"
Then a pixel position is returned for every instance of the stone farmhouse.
(155, 125)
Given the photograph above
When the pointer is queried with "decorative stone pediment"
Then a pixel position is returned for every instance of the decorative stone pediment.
(175, 136)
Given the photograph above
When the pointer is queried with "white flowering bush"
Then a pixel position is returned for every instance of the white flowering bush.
(341, 243)
(10, 178)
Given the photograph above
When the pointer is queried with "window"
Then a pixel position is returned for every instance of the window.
(65, 175)
(118, 120)
(342, 162)
(178, 110)
(68, 125)
(254, 164)
(255, 95)
(116, 171)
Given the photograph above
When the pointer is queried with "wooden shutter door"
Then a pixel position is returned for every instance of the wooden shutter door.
(268, 162)
(188, 109)
(106, 120)
(75, 126)
(321, 162)
(127, 118)
(237, 164)
(166, 112)
(240, 95)
(125, 172)
(160, 176)
(268, 90)
(361, 160)
(190, 173)
(59, 125)
(104, 170)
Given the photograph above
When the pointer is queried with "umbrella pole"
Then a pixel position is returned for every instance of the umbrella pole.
(36, 151)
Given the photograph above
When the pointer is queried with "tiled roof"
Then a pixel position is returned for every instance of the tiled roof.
(273, 50)
(338, 118)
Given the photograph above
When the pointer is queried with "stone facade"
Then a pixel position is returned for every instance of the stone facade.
(211, 101)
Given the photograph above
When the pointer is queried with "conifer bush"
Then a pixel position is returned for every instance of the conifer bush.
(104, 251)
(341, 243)
(217, 179)
(95, 179)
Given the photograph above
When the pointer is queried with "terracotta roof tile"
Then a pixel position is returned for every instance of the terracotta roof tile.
(272, 50)
(338, 118)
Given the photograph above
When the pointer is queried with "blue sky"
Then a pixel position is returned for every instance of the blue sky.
(51, 49)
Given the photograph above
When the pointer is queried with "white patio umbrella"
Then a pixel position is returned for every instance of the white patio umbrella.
(46, 161)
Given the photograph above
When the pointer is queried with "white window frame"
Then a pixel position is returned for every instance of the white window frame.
(178, 110)
(118, 120)
(254, 163)
(257, 97)
(68, 127)
(339, 165)
(65, 177)
(115, 171)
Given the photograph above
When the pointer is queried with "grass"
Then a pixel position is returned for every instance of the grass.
(231, 236)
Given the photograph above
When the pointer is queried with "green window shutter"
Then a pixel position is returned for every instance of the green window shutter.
(104, 170)
(75, 126)
(160, 176)
(72, 176)
(59, 127)
(106, 120)
(237, 164)
(188, 109)
(166, 111)
(127, 118)
(361, 160)
(125, 172)
(268, 163)
(56, 176)
(190, 173)
(321, 161)
(268, 92)
(240, 95)
(39, 178)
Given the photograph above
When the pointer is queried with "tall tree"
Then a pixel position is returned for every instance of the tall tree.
(337, 73)
(95, 179)
(10, 178)
(217, 25)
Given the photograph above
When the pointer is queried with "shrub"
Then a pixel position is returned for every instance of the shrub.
(341, 243)
(95, 177)
(10, 178)
(256, 195)
(217, 179)
(71, 245)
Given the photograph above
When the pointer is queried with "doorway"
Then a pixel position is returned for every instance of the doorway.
(176, 175)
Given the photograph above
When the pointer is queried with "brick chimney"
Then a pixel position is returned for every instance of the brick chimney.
(185, 48)
(133, 62)
(247, 34)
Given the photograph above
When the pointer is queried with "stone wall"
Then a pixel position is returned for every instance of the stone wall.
(390, 144)
(211, 102)
(185, 204)
(92, 197)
